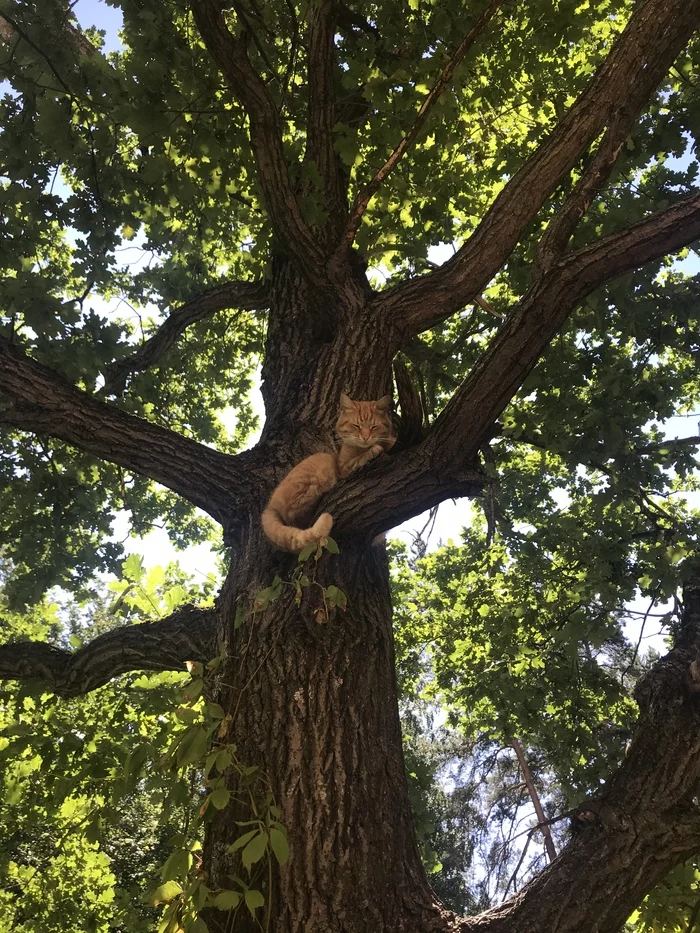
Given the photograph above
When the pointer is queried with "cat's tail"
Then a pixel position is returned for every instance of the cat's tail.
(288, 538)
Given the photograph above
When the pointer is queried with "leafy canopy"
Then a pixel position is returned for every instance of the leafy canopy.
(129, 185)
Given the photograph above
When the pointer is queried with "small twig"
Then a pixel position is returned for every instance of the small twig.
(520, 862)
(639, 642)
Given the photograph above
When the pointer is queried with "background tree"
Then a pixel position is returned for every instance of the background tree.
(265, 156)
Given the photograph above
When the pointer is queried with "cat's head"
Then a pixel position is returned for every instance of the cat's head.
(362, 424)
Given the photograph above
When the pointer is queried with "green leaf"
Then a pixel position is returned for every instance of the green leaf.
(200, 895)
(216, 711)
(279, 845)
(193, 746)
(196, 925)
(227, 900)
(220, 798)
(177, 865)
(223, 760)
(336, 597)
(331, 545)
(133, 569)
(193, 689)
(187, 714)
(136, 759)
(253, 900)
(306, 553)
(209, 763)
(164, 893)
(242, 840)
(255, 849)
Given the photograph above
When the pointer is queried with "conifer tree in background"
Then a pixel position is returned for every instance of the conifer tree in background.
(286, 167)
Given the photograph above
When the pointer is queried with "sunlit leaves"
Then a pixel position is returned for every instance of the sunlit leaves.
(165, 893)
(70, 854)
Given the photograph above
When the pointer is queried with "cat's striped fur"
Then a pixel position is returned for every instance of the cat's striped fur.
(365, 431)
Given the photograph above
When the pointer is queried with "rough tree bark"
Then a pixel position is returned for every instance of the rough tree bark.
(313, 700)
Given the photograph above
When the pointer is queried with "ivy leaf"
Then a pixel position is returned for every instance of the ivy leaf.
(255, 849)
(177, 865)
(164, 893)
(220, 798)
(253, 900)
(193, 746)
(306, 553)
(336, 597)
(227, 900)
(193, 689)
(242, 840)
(197, 925)
(279, 845)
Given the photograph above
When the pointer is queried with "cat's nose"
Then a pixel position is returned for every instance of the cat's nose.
(364, 434)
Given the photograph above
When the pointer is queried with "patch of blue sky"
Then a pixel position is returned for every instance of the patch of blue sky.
(103, 16)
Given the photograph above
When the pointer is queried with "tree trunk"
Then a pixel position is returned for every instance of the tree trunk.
(312, 690)
(315, 707)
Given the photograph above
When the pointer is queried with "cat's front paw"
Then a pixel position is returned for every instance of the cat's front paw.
(375, 450)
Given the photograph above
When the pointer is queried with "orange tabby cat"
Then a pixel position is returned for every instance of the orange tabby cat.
(365, 430)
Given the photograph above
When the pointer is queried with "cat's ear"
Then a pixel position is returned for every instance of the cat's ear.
(346, 403)
(384, 403)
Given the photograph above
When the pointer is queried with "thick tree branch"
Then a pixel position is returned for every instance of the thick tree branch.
(10, 31)
(391, 490)
(411, 430)
(189, 634)
(365, 195)
(465, 422)
(46, 404)
(561, 227)
(637, 63)
(643, 823)
(323, 17)
(245, 295)
(229, 52)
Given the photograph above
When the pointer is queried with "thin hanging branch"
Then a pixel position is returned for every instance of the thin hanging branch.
(363, 198)
(245, 295)
(535, 798)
